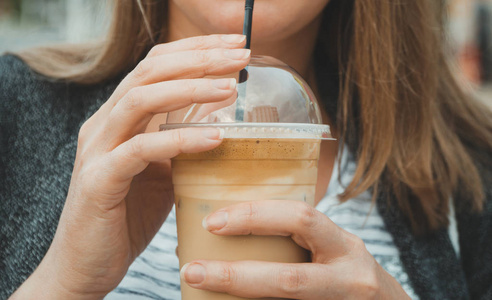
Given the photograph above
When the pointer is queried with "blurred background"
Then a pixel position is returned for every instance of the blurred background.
(27, 23)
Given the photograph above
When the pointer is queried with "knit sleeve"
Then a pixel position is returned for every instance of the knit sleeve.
(6, 117)
(39, 123)
(14, 207)
(9, 80)
(7, 126)
(32, 186)
(475, 235)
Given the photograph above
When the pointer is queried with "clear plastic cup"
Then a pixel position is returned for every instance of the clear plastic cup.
(270, 151)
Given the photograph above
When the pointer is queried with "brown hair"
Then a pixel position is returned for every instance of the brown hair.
(400, 110)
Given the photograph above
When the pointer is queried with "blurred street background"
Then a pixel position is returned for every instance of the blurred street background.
(28, 23)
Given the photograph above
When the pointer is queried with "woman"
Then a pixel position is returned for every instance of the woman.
(412, 139)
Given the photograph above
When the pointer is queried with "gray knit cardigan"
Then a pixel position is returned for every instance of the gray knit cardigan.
(39, 124)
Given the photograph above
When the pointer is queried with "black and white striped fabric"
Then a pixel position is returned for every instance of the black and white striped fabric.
(360, 217)
(155, 273)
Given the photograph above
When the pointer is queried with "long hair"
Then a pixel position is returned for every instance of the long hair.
(400, 109)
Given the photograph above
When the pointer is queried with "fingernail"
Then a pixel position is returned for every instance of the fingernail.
(224, 83)
(193, 273)
(213, 133)
(233, 38)
(215, 221)
(238, 54)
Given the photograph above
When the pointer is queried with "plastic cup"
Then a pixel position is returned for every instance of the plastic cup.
(273, 131)
(256, 161)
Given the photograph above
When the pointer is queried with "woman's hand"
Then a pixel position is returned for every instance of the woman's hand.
(121, 192)
(342, 268)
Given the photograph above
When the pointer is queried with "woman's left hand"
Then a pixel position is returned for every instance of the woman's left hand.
(341, 266)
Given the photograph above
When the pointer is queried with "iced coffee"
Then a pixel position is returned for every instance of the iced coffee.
(252, 163)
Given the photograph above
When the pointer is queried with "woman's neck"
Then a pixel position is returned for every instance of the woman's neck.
(296, 50)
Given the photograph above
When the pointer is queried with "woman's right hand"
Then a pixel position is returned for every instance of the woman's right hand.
(121, 191)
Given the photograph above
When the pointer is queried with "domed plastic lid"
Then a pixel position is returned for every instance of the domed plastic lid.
(272, 92)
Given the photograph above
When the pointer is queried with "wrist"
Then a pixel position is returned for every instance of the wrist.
(49, 282)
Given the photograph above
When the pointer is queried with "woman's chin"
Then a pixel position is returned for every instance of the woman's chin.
(272, 20)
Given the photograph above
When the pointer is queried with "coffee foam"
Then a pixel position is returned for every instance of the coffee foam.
(259, 149)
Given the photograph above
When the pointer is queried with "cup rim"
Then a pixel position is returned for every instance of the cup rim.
(262, 130)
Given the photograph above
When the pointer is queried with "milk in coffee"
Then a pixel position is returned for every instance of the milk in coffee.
(241, 169)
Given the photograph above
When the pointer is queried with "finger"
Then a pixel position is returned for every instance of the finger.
(132, 114)
(179, 65)
(252, 279)
(133, 156)
(118, 167)
(222, 41)
(200, 43)
(190, 64)
(308, 227)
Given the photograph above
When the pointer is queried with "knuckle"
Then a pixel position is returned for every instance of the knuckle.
(201, 57)
(355, 244)
(83, 176)
(95, 183)
(142, 69)
(83, 133)
(292, 281)
(251, 211)
(155, 51)
(368, 285)
(214, 61)
(227, 277)
(178, 139)
(306, 216)
(133, 99)
(113, 117)
(358, 243)
(193, 91)
(136, 146)
(89, 180)
(201, 42)
(83, 156)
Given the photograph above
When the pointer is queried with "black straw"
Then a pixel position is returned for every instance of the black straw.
(243, 74)
(248, 21)
(248, 25)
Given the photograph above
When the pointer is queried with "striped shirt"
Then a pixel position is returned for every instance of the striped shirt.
(155, 273)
